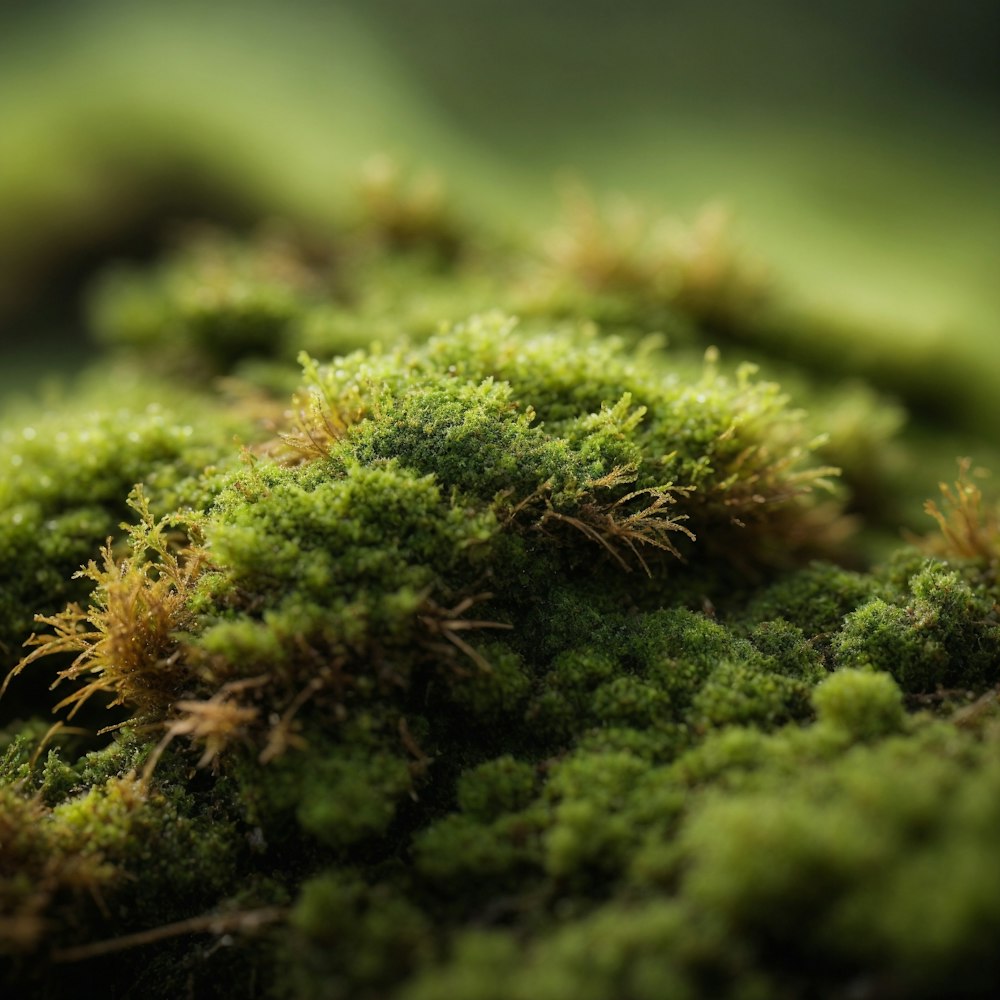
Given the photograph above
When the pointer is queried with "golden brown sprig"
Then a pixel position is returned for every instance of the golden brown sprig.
(759, 480)
(317, 421)
(970, 529)
(611, 527)
(125, 640)
(215, 722)
(610, 524)
(316, 427)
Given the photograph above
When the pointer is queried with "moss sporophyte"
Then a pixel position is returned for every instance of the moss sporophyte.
(499, 658)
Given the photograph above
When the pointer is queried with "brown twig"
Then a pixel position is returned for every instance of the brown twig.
(247, 922)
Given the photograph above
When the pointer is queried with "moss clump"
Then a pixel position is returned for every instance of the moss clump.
(75, 836)
(939, 633)
(867, 705)
(215, 302)
(512, 659)
(68, 473)
(349, 936)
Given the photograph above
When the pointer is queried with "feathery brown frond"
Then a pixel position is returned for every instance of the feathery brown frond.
(970, 528)
(317, 421)
(125, 640)
(612, 525)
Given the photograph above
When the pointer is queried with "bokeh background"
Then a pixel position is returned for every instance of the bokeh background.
(857, 143)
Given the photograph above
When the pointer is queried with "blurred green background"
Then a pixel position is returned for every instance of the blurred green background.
(858, 144)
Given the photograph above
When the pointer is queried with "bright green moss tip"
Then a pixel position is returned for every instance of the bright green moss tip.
(867, 705)
(498, 657)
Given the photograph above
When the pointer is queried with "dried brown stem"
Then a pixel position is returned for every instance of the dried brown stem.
(245, 922)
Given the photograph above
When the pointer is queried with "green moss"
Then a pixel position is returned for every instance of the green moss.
(352, 797)
(787, 651)
(940, 634)
(349, 938)
(453, 854)
(828, 896)
(215, 302)
(497, 691)
(307, 547)
(638, 951)
(814, 599)
(590, 827)
(157, 851)
(740, 695)
(68, 473)
(680, 649)
(866, 705)
(503, 667)
(496, 787)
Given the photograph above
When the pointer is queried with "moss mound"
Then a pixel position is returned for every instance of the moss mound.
(507, 657)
